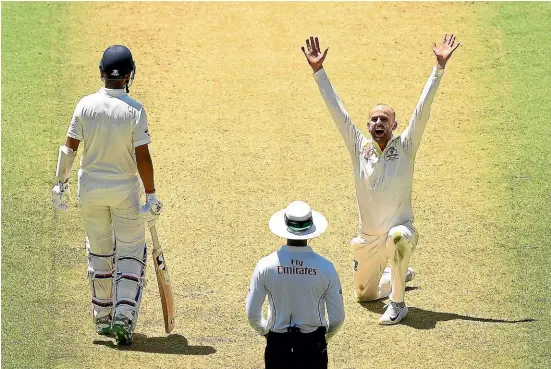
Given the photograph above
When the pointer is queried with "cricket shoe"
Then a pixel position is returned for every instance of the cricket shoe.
(410, 274)
(122, 330)
(103, 326)
(394, 313)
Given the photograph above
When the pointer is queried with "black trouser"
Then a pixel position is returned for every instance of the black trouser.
(296, 350)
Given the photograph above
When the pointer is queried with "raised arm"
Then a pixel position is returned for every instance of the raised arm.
(351, 135)
(411, 137)
(254, 302)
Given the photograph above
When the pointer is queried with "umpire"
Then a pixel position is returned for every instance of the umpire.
(299, 284)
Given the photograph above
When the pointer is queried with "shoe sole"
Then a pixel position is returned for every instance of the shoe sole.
(122, 336)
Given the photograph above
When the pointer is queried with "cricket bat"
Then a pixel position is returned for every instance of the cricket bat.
(163, 280)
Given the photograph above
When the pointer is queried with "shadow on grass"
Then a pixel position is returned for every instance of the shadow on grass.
(425, 319)
(174, 344)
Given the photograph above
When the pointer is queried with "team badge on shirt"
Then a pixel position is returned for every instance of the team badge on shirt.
(391, 154)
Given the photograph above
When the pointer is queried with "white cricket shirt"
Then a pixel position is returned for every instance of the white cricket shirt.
(383, 179)
(300, 284)
(112, 125)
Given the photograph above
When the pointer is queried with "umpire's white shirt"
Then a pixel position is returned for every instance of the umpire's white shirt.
(383, 179)
(112, 125)
(299, 284)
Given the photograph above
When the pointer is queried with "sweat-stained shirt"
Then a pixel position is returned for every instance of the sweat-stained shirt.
(383, 179)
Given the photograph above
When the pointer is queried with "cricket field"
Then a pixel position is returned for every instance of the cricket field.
(239, 130)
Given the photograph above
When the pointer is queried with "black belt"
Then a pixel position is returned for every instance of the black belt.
(296, 330)
(295, 338)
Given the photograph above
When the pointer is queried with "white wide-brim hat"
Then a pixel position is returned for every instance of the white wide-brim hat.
(298, 222)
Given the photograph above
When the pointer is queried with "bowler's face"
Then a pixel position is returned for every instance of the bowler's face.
(381, 123)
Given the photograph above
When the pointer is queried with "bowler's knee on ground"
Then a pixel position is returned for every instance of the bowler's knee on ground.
(371, 282)
(369, 263)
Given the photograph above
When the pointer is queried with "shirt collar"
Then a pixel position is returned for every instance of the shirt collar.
(112, 91)
(376, 145)
(295, 248)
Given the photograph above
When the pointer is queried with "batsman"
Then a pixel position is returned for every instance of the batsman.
(383, 172)
(113, 129)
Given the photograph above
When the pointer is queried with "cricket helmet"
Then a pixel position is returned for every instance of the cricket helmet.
(117, 62)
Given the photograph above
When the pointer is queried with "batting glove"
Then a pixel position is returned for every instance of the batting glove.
(61, 195)
(151, 210)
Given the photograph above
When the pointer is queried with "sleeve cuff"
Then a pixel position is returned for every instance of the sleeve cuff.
(320, 74)
(438, 71)
(142, 142)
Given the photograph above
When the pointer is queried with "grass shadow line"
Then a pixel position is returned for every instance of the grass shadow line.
(173, 344)
(425, 319)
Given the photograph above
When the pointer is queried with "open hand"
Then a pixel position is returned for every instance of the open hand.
(444, 52)
(313, 53)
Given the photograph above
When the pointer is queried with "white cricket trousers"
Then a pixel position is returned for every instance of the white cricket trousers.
(115, 244)
(371, 256)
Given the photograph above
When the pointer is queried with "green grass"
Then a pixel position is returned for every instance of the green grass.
(526, 124)
(512, 62)
(515, 82)
(34, 103)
